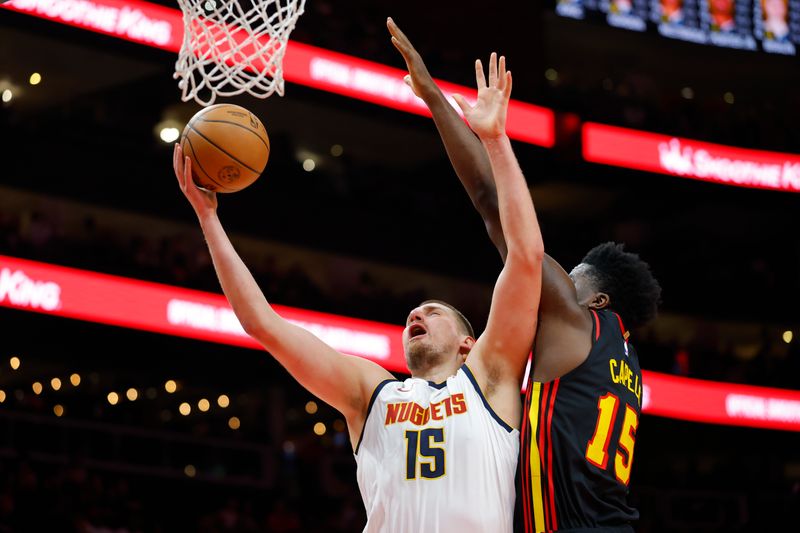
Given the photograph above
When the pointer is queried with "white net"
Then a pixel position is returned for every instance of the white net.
(234, 46)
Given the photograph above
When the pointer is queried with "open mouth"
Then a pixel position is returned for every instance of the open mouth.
(416, 331)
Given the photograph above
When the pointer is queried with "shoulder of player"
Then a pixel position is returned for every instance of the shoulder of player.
(372, 378)
(563, 342)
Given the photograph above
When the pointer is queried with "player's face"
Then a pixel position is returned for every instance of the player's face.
(431, 332)
(584, 284)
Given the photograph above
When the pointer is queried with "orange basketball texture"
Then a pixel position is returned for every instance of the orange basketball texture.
(228, 145)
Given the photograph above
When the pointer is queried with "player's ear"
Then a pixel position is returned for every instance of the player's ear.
(465, 346)
(600, 300)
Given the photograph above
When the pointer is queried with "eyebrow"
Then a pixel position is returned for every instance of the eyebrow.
(427, 308)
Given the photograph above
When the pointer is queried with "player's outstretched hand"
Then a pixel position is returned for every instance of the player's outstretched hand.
(488, 117)
(202, 201)
(418, 77)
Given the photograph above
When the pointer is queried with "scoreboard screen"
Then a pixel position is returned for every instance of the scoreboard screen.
(772, 26)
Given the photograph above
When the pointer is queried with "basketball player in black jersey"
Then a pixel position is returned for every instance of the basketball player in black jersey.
(585, 391)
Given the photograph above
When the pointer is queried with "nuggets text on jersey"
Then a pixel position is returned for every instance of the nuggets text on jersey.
(419, 416)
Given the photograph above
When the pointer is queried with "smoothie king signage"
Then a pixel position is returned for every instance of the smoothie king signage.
(686, 158)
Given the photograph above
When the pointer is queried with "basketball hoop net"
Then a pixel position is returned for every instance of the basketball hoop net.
(234, 46)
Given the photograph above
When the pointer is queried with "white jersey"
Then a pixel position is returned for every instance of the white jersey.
(435, 458)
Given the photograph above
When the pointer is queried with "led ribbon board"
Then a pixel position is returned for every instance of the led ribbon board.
(639, 150)
(720, 403)
(147, 306)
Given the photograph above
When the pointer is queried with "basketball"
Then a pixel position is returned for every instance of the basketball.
(228, 145)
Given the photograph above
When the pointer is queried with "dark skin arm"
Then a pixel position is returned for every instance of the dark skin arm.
(563, 337)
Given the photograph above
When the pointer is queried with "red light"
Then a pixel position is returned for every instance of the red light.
(687, 158)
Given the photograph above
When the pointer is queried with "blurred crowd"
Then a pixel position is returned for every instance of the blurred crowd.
(299, 481)
(688, 477)
(36, 497)
(183, 260)
(635, 100)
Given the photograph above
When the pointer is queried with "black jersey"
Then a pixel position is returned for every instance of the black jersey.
(578, 435)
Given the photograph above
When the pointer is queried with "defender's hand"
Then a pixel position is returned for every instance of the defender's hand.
(418, 77)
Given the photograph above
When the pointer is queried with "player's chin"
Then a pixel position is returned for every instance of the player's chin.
(420, 344)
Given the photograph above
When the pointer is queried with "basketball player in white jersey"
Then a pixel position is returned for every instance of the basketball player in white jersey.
(436, 453)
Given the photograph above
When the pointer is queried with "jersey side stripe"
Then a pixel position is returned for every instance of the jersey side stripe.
(543, 447)
(535, 461)
(596, 325)
(550, 491)
(525, 472)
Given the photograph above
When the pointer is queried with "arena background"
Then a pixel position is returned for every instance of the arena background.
(378, 225)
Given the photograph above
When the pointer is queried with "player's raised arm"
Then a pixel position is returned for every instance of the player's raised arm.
(464, 149)
(501, 352)
(345, 382)
(471, 163)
